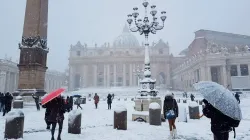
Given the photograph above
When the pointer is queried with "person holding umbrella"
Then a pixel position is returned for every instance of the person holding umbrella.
(55, 102)
(221, 107)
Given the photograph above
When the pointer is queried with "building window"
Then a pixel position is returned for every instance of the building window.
(111, 53)
(244, 70)
(233, 70)
(78, 53)
(160, 51)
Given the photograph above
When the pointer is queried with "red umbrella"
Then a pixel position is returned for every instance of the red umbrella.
(52, 95)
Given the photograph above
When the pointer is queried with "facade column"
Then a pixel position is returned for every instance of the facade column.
(130, 75)
(209, 77)
(85, 75)
(224, 75)
(105, 76)
(124, 75)
(248, 69)
(71, 79)
(95, 76)
(108, 75)
(238, 70)
(7, 83)
(114, 75)
(202, 74)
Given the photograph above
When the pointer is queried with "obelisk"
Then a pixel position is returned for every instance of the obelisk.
(33, 49)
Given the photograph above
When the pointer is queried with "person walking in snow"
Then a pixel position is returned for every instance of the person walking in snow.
(170, 110)
(71, 103)
(36, 98)
(47, 113)
(220, 125)
(78, 102)
(56, 115)
(1, 101)
(7, 103)
(237, 96)
(109, 101)
(96, 100)
(192, 97)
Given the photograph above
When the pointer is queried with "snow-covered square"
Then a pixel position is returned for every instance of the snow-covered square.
(97, 124)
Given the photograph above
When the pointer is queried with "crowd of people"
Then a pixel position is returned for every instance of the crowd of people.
(5, 102)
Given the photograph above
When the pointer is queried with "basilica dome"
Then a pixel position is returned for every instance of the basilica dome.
(126, 39)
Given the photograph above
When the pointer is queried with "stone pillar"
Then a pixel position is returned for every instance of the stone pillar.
(95, 75)
(108, 75)
(238, 70)
(154, 114)
(130, 75)
(7, 84)
(14, 125)
(85, 75)
(202, 73)
(71, 79)
(120, 118)
(115, 75)
(224, 75)
(248, 69)
(209, 78)
(124, 75)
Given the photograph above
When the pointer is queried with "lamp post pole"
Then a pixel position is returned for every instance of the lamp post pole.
(146, 27)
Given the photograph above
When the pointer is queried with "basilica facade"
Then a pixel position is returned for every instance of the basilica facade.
(119, 64)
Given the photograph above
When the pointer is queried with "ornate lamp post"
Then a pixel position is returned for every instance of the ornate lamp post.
(146, 27)
(137, 73)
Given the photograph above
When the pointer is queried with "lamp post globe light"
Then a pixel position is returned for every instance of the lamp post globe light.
(147, 85)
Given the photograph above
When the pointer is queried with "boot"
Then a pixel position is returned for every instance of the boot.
(59, 137)
(174, 133)
(171, 135)
(52, 138)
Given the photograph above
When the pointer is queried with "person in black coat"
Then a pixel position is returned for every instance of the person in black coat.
(1, 101)
(71, 102)
(219, 122)
(170, 105)
(8, 102)
(109, 100)
(56, 115)
(237, 96)
(192, 97)
(47, 113)
(36, 98)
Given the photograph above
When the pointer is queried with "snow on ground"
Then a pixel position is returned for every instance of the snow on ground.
(97, 124)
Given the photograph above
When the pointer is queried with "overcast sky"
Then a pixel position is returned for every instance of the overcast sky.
(99, 21)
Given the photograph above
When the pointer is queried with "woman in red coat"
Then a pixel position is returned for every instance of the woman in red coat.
(96, 99)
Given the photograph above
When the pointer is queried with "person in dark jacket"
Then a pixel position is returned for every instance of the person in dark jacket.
(237, 96)
(36, 98)
(56, 115)
(1, 101)
(8, 102)
(192, 97)
(219, 122)
(96, 100)
(109, 100)
(47, 113)
(171, 106)
(71, 102)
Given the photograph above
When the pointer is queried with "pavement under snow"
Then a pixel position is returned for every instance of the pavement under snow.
(97, 124)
